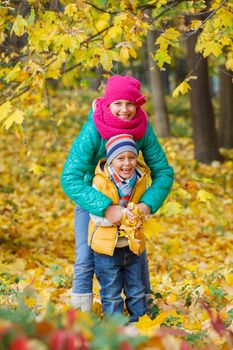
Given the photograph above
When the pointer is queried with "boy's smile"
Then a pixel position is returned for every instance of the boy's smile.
(123, 109)
(124, 164)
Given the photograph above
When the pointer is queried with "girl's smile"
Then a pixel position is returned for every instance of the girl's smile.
(123, 109)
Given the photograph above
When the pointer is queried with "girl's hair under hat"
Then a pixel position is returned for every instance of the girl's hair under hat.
(119, 144)
(123, 88)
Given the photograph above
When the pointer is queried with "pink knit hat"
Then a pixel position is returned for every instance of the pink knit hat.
(123, 88)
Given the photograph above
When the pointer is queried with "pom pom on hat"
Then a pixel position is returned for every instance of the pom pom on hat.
(118, 144)
(123, 88)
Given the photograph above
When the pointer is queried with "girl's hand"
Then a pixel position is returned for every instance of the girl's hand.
(114, 214)
(144, 208)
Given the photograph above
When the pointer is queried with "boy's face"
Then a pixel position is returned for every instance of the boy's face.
(123, 109)
(124, 164)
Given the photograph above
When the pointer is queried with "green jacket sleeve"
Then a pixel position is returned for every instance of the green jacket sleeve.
(161, 172)
(78, 172)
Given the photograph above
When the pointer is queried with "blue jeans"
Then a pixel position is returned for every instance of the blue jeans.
(84, 263)
(122, 271)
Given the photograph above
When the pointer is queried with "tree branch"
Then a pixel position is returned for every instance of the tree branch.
(100, 9)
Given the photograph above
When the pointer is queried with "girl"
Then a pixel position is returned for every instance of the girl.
(117, 112)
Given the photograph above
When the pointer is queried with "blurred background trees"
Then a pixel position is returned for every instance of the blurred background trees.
(174, 47)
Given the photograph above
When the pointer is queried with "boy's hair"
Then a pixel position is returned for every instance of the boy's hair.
(123, 88)
(118, 144)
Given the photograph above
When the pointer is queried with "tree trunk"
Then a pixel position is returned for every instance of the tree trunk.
(204, 131)
(226, 109)
(157, 91)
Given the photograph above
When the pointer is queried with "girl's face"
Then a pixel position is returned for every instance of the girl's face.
(124, 164)
(123, 109)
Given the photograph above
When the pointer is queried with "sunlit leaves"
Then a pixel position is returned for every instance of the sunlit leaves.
(216, 37)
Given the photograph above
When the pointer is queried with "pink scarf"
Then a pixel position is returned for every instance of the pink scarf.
(109, 125)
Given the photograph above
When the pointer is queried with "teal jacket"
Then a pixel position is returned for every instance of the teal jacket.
(89, 147)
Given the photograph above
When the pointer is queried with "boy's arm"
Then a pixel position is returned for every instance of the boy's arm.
(162, 174)
(76, 168)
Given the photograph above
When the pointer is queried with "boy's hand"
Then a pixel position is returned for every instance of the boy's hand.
(114, 214)
(144, 208)
(129, 214)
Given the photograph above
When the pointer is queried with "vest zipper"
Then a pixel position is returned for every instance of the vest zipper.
(92, 236)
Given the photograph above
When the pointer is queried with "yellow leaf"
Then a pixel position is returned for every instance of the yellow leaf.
(171, 208)
(212, 48)
(161, 57)
(19, 26)
(124, 54)
(103, 21)
(132, 52)
(204, 196)
(37, 169)
(70, 106)
(53, 73)
(13, 74)
(106, 61)
(196, 24)
(229, 63)
(5, 109)
(169, 37)
(151, 227)
(183, 88)
(225, 40)
(16, 117)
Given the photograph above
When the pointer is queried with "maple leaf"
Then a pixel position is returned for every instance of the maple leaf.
(204, 196)
(16, 117)
(182, 88)
(212, 48)
(171, 208)
(37, 169)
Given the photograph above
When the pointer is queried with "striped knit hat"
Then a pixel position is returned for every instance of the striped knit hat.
(118, 144)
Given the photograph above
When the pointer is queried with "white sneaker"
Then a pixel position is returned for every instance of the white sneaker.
(82, 301)
(131, 330)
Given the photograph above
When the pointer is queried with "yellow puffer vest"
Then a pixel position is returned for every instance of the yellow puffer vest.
(103, 239)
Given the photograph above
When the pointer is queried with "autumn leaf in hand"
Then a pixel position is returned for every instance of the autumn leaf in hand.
(133, 229)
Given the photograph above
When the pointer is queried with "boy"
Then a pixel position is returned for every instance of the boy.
(123, 179)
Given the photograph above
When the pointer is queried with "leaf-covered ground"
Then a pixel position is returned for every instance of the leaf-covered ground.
(190, 253)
